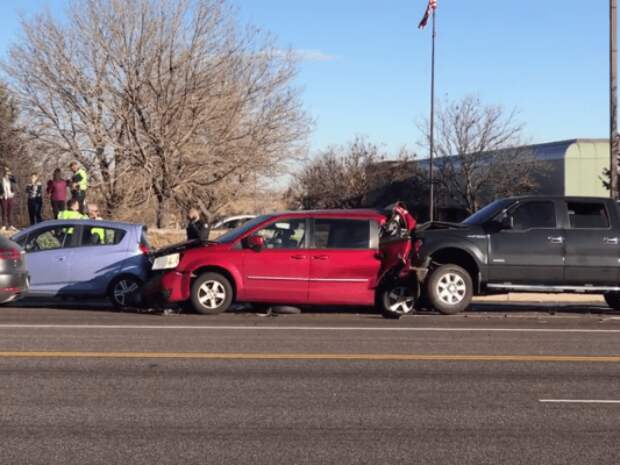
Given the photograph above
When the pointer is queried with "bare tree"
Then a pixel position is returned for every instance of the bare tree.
(480, 154)
(344, 176)
(14, 148)
(166, 102)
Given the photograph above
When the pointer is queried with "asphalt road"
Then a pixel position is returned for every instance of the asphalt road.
(500, 385)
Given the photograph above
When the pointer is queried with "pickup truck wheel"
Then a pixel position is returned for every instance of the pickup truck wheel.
(449, 289)
(212, 294)
(613, 300)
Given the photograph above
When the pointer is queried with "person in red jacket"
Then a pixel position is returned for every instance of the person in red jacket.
(57, 191)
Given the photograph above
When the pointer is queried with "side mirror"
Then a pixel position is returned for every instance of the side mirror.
(508, 222)
(255, 243)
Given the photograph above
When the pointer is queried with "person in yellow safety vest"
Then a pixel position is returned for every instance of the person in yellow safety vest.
(79, 184)
(93, 214)
(71, 213)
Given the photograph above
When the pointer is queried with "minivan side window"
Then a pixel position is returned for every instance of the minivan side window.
(284, 234)
(341, 234)
(534, 215)
(587, 215)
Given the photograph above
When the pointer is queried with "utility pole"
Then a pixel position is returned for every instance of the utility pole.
(613, 98)
(431, 180)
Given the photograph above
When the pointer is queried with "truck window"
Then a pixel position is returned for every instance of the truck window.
(587, 215)
(534, 215)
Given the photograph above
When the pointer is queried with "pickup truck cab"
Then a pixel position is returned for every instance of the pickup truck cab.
(330, 257)
(522, 244)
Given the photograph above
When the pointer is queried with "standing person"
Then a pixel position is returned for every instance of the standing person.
(57, 190)
(196, 228)
(7, 196)
(79, 184)
(34, 193)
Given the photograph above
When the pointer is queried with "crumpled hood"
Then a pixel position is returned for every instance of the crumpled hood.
(179, 247)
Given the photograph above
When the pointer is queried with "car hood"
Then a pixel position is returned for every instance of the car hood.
(182, 247)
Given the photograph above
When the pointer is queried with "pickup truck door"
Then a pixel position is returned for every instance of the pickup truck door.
(592, 244)
(531, 252)
(344, 261)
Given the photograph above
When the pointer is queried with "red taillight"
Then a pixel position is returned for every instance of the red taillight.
(144, 249)
(9, 254)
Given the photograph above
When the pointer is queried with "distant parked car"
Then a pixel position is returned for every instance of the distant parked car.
(233, 222)
(86, 258)
(13, 274)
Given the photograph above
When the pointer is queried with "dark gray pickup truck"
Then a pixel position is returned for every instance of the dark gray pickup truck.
(521, 244)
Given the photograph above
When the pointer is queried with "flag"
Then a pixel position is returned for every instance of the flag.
(430, 9)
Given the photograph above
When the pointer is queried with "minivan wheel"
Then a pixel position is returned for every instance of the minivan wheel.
(397, 300)
(124, 292)
(449, 289)
(613, 300)
(212, 294)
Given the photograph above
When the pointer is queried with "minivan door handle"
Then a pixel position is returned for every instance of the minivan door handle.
(298, 257)
(556, 239)
(611, 240)
(320, 257)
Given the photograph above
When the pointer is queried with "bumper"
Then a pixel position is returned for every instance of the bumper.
(13, 286)
(169, 287)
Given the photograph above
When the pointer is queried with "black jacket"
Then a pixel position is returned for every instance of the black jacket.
(197, 230)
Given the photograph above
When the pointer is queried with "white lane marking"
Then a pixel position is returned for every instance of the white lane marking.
(307, 328)
(578, 401)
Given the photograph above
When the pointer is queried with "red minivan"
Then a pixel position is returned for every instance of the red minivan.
(305, 258)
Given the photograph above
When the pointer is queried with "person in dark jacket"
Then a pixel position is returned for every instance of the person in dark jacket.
(196, 228)
(34, 194)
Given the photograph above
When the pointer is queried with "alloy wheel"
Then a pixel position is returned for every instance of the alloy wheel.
(123, 289)
(451, 289)
(211, 294)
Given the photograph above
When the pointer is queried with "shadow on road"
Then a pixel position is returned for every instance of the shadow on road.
(478, 309)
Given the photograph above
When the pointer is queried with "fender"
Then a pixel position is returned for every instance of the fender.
(473, 250)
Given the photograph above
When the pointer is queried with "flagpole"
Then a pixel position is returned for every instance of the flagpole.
(431, 181)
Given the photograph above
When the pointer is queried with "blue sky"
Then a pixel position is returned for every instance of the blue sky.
(367, 67)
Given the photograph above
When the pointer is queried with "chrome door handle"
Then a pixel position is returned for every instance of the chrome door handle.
(556, 239)
(611, 240)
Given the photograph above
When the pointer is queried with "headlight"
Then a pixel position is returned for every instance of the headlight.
(166, 262)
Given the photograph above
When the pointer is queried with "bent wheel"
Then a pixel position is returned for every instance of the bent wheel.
(398, 300)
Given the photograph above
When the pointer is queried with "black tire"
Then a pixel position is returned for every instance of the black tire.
(449, 289)
(613, 300)
(397, 299)
(124, 292)
(218, 301)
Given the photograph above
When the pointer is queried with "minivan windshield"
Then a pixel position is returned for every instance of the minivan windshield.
(487, 213)
(233, 235)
